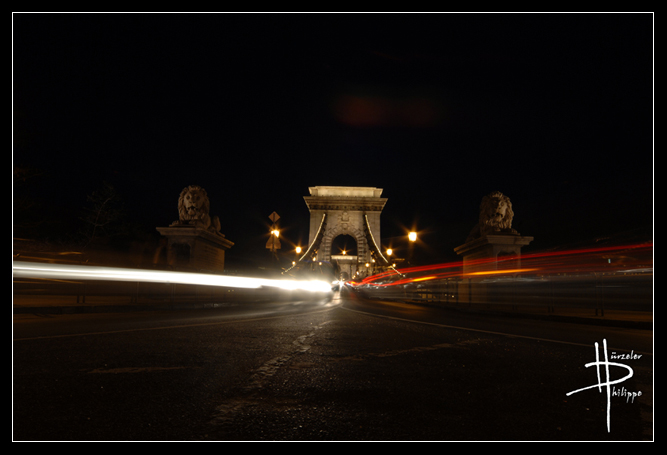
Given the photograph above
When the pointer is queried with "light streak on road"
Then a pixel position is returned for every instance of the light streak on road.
(635, 258)
(62, 271)
(498, 272)
(425, 278)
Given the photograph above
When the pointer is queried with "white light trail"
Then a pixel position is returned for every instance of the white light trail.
(62, 271)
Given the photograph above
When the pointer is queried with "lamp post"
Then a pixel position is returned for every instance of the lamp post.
(274, 244)
(412, 237)
(389, 253)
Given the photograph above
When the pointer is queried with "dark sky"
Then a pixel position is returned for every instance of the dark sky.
(554, 110)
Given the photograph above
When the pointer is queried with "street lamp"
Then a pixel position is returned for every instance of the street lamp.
(274, 244)
(412, 236)
(297, 251)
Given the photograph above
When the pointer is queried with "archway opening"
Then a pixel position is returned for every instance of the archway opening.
(344, 256)
(344, 245)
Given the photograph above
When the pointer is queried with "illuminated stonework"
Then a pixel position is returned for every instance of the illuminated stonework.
(345, 210)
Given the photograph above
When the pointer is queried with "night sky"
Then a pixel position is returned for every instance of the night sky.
(554, 110)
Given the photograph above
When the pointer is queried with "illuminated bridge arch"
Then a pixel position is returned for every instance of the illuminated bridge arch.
(344, 210)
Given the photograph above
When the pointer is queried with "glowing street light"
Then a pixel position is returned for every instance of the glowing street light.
(412, 236)
(298, 249)
(274, 244)
(389, 251)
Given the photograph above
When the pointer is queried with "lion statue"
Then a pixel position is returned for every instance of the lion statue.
(193, 209)
(495, 216)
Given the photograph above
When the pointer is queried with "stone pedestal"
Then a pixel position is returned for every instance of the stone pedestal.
(487, 254)
(483, 252)
(195, 249)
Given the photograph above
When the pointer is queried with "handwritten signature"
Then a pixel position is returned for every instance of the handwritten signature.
(608, 382)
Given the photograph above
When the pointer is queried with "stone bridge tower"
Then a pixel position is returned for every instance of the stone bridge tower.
(345, 210)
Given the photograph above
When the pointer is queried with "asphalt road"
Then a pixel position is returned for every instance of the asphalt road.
(345, 369)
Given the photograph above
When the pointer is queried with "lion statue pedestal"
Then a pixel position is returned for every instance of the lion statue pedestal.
(492, 241)
(492, 236)
(194, 241)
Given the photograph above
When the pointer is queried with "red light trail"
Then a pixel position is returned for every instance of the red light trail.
(627, 258)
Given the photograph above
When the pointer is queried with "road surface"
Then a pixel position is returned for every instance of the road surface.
(341, 369)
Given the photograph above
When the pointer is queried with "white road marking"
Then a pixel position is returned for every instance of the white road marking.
(479, 330)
